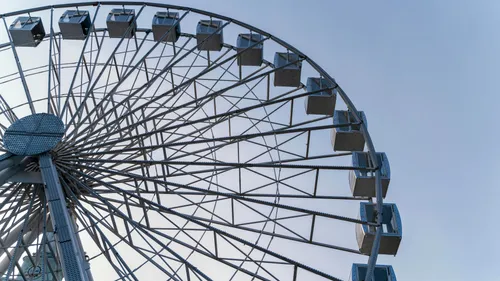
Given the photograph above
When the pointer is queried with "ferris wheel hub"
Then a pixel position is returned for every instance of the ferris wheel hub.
(34, 134)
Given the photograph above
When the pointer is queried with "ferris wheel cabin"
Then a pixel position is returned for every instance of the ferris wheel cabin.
(288, 69)
(346, 135)
(209, 35)
(381, 273)
(391, 225)
(164, 22)
(75, 25)
(323, 98)
(363, 181)
(251, 48)
(27, 31)
(121, 23)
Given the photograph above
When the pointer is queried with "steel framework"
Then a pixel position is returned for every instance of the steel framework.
(176, 162)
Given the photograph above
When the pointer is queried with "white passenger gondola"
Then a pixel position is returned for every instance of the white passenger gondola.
(75, 24)
(209, 35)
(380, 273)
(27, 31)
(361, 181)
(349, 137)
(164, 22)
(323, 97)
(391, 225)
(121, 23)
(290, 67)
(252, 50)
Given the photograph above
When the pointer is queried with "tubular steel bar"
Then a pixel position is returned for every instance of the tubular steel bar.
(82, 54)
(74, 266)
(20, 69)
(49, 94)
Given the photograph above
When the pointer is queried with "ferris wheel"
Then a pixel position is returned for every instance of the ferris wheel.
(144, 141)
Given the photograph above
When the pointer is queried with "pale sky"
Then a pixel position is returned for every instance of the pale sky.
(423, 72)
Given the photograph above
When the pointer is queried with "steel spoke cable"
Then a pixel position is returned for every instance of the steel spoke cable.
(219, 223)
(234, 140)
(82, 53)
(121, 74)
(194, 203)
(282, 195)
(193, 248)
(225, 194)
(184, 76)
(20, 69)
(165, 69)
(187, 245)
(180, 86)
(198, 180)
(196, 109)
(222, 115)
(90, 88)
(128, 272)
(223, 139)
(183, 92)
(154, 132)
(156, 253)
(228, 235)
(134, 223)
(51, 30)
(101, 206)
(207, 210)
(19, 202)
(127, 97)
(95, 223)
(217, 122)
(274, 234)
(13, 260)
(121, 272)
(225, 164)
(197, 242)
(71, 92)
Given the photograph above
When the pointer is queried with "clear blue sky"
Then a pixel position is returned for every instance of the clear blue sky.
(424, 73)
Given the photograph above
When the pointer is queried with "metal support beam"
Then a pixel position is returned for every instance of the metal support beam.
(74, 265)
(20, 69)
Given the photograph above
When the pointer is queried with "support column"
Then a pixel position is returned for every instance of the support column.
(74, 265)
